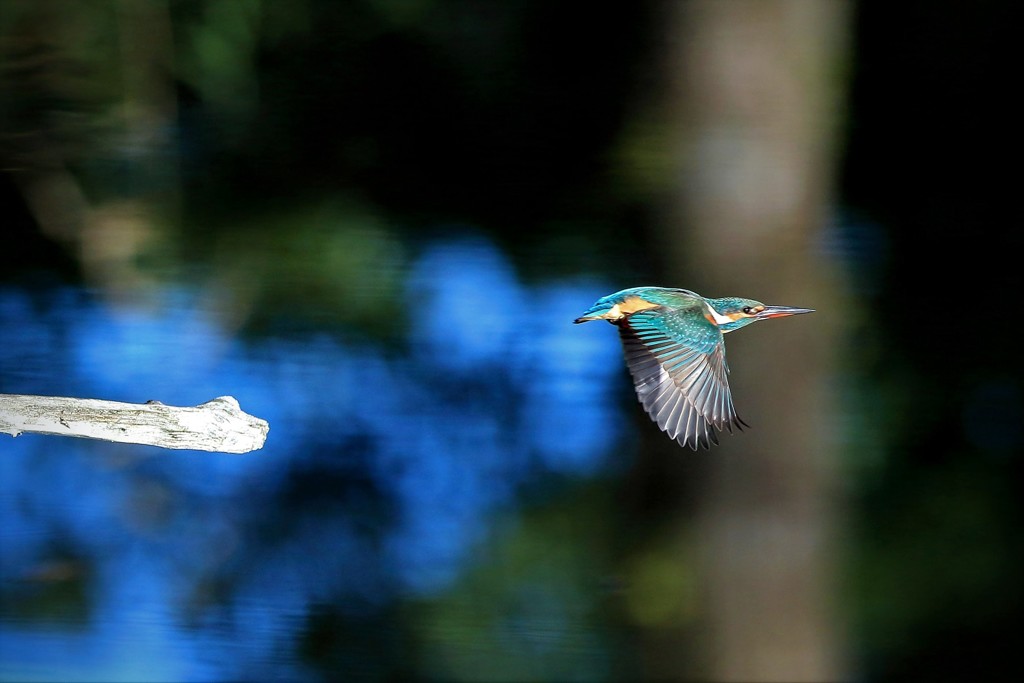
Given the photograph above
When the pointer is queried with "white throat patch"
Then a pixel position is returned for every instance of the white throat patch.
(718, 318)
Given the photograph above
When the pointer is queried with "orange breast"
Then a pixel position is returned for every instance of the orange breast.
(633, 304)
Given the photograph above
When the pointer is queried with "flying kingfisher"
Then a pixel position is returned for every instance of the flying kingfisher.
(672, 340)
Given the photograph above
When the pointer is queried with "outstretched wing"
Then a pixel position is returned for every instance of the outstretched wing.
(677, 361)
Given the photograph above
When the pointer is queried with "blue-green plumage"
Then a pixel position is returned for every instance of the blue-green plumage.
(674, 348)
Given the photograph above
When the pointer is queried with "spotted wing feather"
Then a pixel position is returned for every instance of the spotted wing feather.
(680, 374)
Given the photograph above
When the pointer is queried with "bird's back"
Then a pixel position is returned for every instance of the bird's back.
(676, 299)
(665, 296)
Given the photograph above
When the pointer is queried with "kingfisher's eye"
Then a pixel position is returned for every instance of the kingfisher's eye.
(748, 310)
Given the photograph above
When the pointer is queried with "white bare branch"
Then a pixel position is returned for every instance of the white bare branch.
(218, 425)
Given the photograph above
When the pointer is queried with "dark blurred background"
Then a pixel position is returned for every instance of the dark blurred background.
(373, 221)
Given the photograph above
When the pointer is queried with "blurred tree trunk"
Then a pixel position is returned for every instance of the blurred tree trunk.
(755, 89)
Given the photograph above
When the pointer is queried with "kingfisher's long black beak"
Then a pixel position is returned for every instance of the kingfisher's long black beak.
(781, 311)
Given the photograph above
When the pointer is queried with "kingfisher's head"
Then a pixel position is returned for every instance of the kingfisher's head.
(731, 312)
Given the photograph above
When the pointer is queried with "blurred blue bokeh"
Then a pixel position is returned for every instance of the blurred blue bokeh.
(383, 469)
